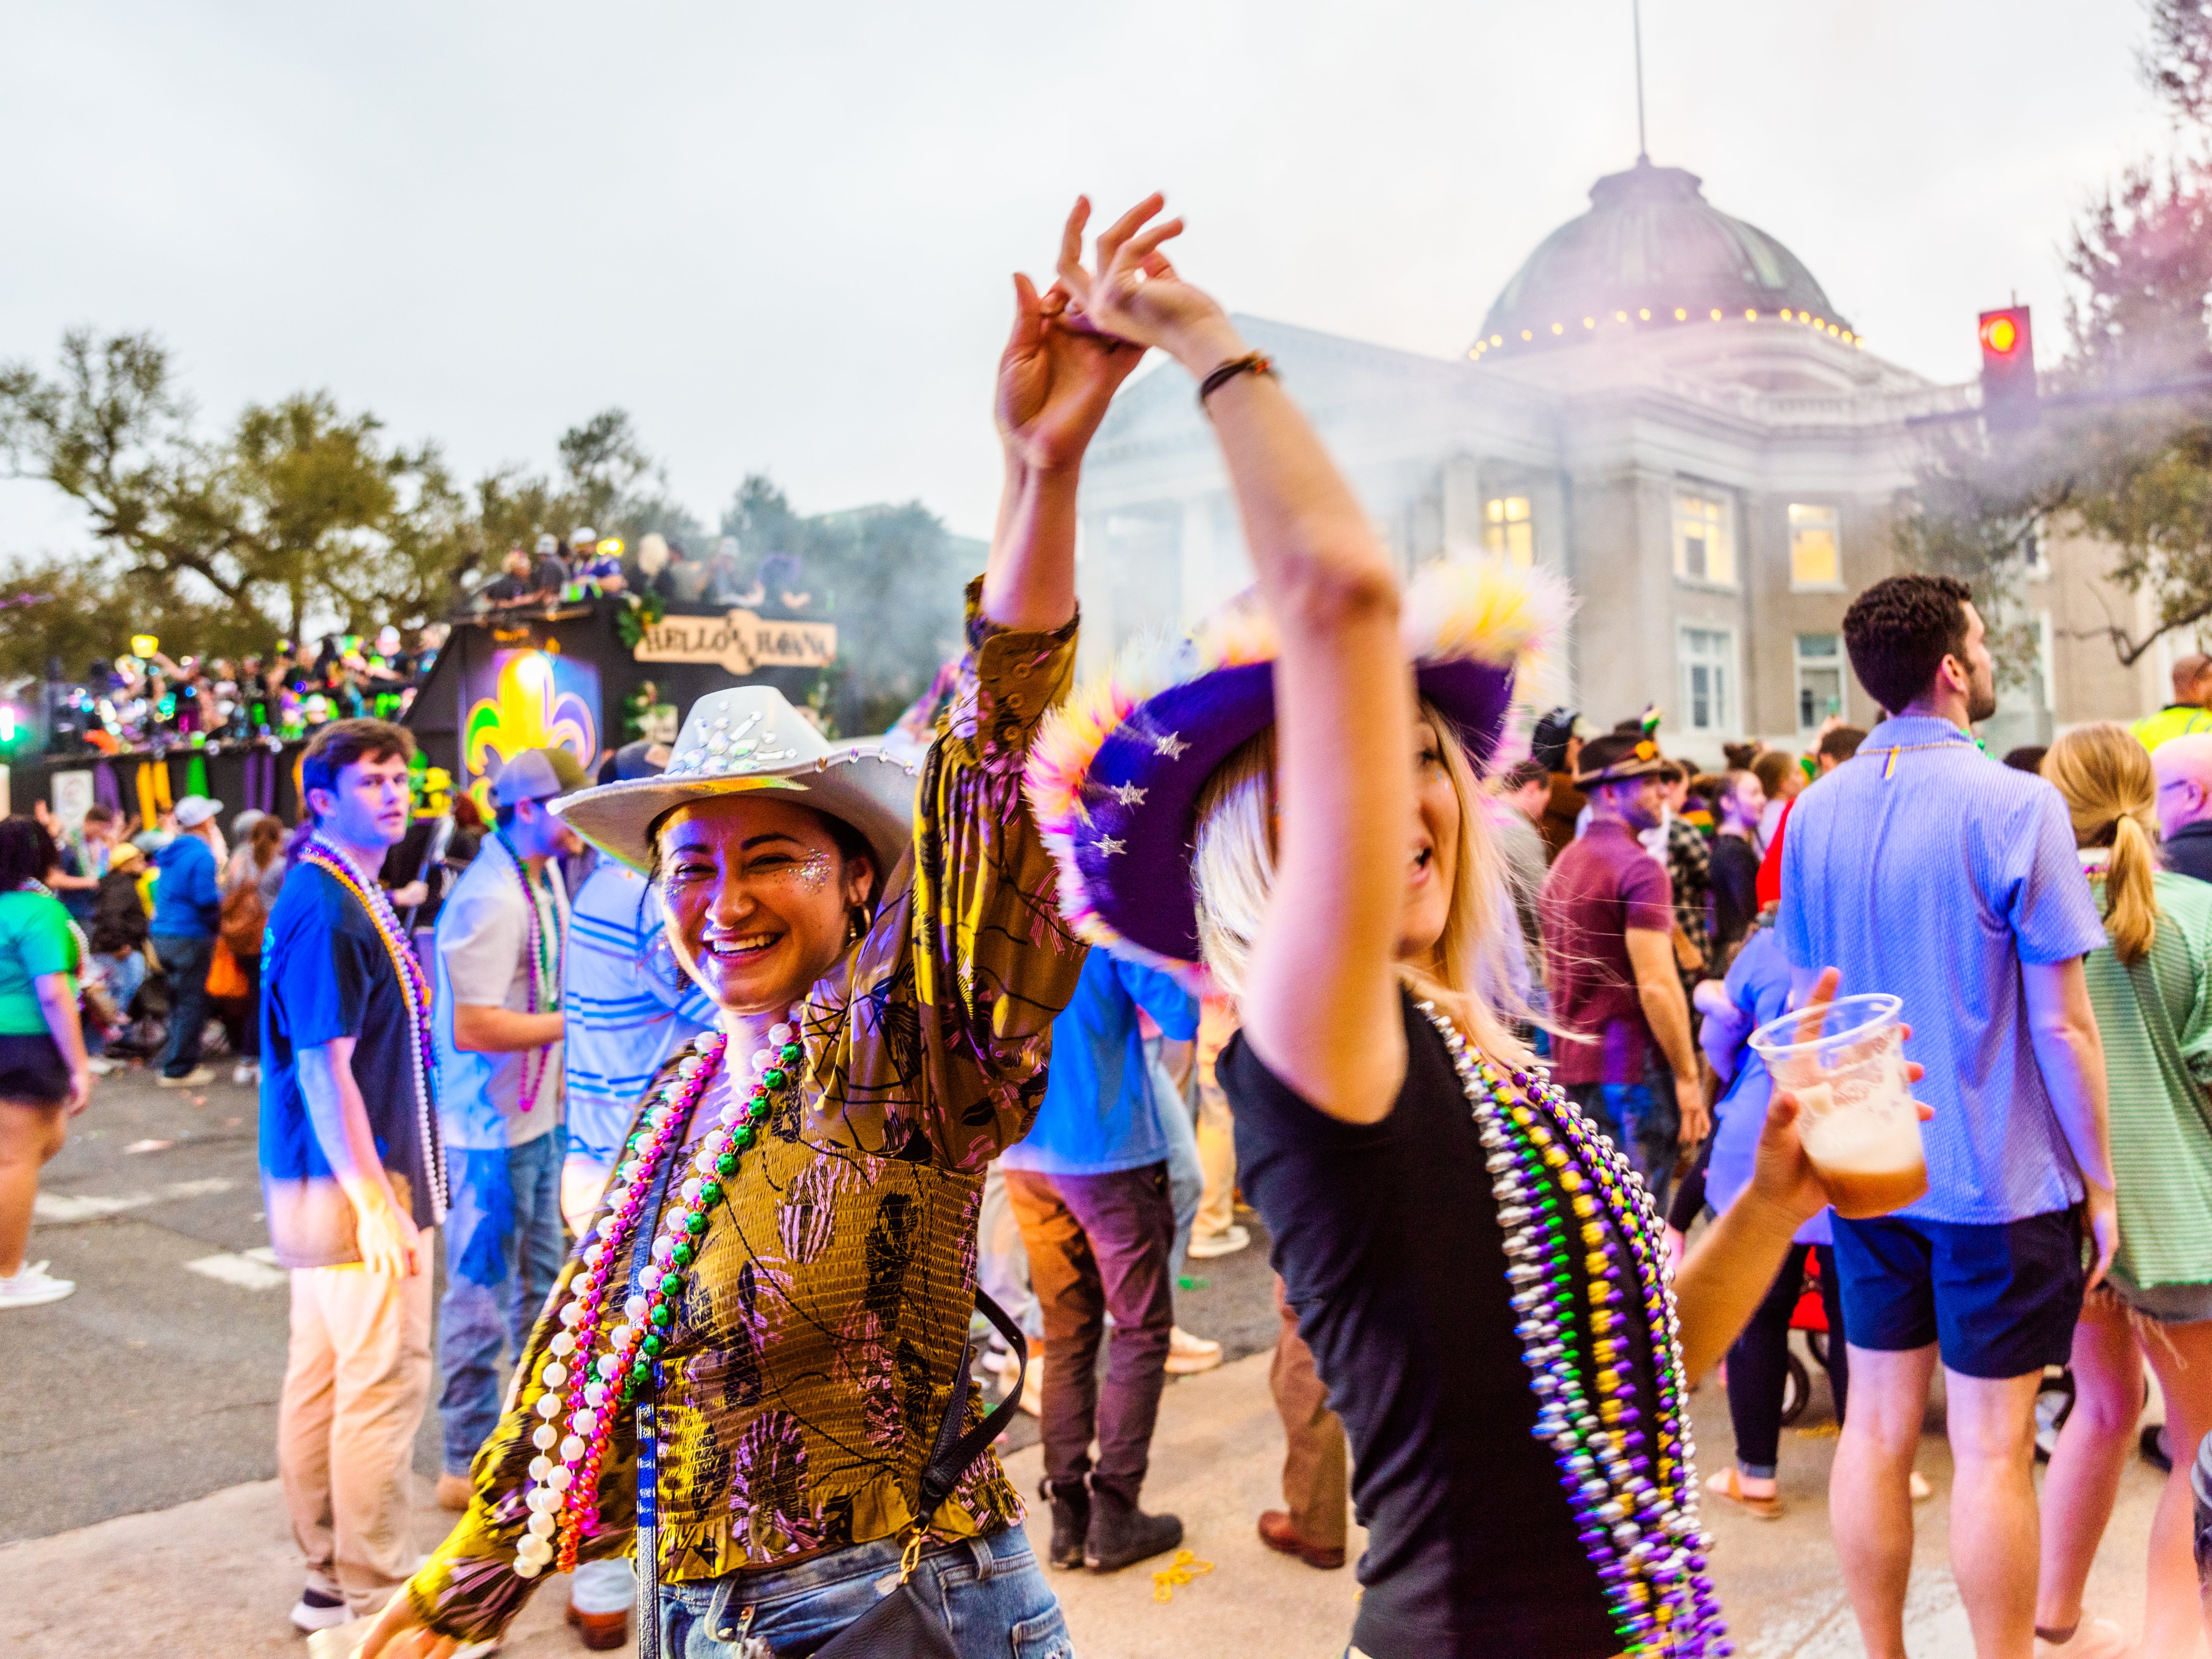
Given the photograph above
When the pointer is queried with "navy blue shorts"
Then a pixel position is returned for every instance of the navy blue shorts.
(1997, 1299)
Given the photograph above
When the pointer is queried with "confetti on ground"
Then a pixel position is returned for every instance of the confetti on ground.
(1182, 1570)
(150, 1145)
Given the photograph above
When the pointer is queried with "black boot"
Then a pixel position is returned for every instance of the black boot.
(1070, 1518)
(1120, 1533)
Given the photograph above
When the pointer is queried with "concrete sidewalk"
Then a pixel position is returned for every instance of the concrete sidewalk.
(215, 1576)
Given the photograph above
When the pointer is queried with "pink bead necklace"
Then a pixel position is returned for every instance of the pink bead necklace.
(596, 1368)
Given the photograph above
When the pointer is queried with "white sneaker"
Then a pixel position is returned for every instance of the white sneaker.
(1188, 1353)
(31, 1285)
(198, 1077)
(1204, 1247)
(101, 1066)
(244, 1072)
(317, 1609)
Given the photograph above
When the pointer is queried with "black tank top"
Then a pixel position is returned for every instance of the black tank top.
(1386, 1238)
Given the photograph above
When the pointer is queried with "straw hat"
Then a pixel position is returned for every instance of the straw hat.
(748, 739)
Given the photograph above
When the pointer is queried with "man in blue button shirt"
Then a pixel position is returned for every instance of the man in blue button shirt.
(1089, 1187)
(1923, 868)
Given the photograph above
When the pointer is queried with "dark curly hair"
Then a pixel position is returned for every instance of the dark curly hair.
(28, 853)
(1898, 632)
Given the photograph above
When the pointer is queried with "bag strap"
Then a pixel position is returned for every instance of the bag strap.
(955, 1451)
(2163, 1037)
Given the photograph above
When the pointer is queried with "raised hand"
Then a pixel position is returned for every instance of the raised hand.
(1056, 377)
(1134, 293)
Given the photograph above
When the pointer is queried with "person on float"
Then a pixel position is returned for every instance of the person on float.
(887, 996)
(1269, 795)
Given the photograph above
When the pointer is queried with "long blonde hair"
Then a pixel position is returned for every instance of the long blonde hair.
(2111, 793)
(1233, 873)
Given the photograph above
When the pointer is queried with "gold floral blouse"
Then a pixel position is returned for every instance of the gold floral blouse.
(811, 1365)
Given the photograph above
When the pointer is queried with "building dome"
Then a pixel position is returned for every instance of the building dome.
(1653, 253)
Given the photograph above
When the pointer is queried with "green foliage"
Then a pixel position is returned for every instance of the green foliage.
(91, 608)
(2123, 462)
(302, 508)
(303, 513)
(891, 577)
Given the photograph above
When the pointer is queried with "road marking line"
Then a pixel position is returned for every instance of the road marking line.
(74, 1206)
(242, 1271)
(64, 1207)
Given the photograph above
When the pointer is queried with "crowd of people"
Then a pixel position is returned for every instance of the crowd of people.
(145, 699)
(759, 1084)
(587, 565)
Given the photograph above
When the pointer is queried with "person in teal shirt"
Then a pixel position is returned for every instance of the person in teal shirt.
(46, 1078)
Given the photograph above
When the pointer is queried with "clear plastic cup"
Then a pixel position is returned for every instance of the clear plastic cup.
(1845, 1060)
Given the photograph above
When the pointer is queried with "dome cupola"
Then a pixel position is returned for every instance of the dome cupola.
(1652, 253)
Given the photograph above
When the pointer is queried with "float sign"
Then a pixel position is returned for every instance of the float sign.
(740, 641)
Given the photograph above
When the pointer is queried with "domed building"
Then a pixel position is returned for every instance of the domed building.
(1662, 404)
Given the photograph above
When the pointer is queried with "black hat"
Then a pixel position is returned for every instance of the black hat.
(1617, 756)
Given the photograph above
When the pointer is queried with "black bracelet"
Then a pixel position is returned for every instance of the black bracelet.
(1252, 363)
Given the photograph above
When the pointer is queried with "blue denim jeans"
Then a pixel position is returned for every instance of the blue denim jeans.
(184, 959)
(124, 972)
(993, 1595)
(504, 1245)
(1643, 1119)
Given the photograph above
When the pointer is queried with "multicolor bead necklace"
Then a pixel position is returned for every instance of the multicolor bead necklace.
(413, 990)
(1632, 1486)
(594, 1368)
(543, 971)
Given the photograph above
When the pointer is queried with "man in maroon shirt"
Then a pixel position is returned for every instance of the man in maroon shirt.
(1609, 928)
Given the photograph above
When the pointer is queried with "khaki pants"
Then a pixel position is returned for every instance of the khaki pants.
(357, 1381)
(1216, 1156)
(1316, 1466)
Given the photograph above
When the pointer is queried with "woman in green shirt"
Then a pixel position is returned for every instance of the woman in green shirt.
(2151, 988)
(44, 1077)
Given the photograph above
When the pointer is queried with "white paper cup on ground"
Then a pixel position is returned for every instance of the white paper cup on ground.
(1845, 1060)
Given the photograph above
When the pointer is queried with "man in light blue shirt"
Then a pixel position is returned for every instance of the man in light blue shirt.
(1923, 868)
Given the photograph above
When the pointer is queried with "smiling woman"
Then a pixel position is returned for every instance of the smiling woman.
(748, 1370)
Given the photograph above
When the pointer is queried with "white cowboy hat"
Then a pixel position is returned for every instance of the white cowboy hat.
(748, 739)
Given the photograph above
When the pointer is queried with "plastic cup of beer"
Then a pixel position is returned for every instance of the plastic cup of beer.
(1845, 1060)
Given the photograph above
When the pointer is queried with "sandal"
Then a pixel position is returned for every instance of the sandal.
(1723, 1484)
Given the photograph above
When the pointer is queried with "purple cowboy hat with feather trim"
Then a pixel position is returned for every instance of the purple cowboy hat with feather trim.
(1116, 772)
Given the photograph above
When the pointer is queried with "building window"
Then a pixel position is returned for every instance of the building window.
(1819, 679)
(1507, 533)
(2046, 664)
(1708, 659)
(1704, 539)
(1815, 560)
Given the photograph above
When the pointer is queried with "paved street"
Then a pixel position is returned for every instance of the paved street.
(172, 1348)
(137, 1435)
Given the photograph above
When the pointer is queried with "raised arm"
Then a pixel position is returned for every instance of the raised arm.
(1321, 1005)
(1055, 382)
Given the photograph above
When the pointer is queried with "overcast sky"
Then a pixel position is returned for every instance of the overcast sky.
(781, 235)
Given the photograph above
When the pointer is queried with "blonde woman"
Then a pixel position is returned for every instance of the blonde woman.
(1291, 795)
(2151, 988)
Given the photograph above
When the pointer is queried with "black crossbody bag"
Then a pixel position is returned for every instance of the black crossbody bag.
(904, 1625)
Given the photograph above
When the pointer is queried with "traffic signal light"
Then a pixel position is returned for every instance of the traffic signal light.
(2007, 370)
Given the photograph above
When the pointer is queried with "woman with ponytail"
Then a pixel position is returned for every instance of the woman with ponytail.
(2151, 987)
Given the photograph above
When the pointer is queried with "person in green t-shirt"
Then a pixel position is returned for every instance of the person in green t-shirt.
(45, 1079)
(2150, 986)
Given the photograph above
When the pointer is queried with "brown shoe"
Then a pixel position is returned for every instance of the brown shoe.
(600, 1630)
(454, 1493)
(1275, 1532)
